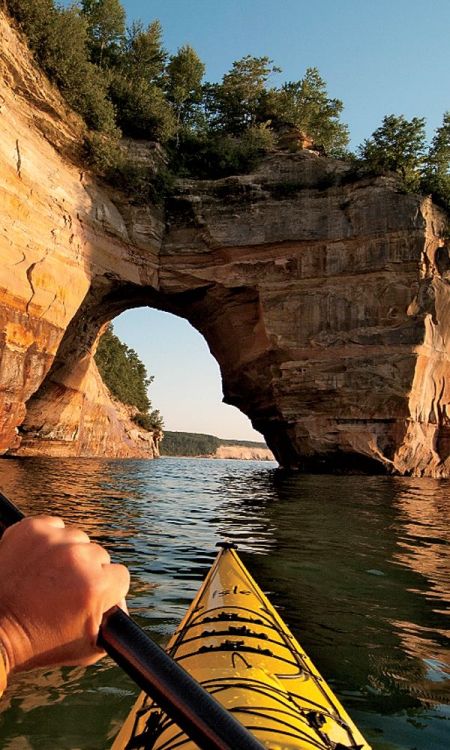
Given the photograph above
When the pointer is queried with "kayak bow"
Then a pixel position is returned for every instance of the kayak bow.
(236, 645)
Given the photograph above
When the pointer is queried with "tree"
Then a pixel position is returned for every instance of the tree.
(306, 105)
(126, 377)
(234, 104)
(136, 85)
(106, 28)
(35, 17)
(59, 39)
(398, 145)
(184, 84)
(142, 109)
(143, 54)
(436, 173)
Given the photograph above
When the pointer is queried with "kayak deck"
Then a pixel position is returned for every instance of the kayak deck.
(236, 645)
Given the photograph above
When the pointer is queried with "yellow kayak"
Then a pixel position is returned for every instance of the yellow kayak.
(236, 645)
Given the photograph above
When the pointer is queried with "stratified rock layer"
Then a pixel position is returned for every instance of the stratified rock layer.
(323, 298)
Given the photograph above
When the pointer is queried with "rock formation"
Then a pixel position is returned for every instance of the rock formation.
(243, 453)
(324, 298)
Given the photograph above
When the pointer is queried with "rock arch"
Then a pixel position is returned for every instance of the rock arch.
(301, 277)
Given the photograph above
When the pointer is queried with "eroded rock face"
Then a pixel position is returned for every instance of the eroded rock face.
(62, 242)
(323, 298)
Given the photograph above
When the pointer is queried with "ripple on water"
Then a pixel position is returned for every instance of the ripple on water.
(358, 566)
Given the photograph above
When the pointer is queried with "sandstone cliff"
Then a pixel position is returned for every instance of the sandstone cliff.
(324, 299)
(244, 453)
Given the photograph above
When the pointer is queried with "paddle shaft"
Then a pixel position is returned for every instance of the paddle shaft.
(181, 697)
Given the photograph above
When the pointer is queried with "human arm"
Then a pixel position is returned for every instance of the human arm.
(55, 585)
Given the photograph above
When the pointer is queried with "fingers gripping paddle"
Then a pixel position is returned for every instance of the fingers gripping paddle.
(181, 697)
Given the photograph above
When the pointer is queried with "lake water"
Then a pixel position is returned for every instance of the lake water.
(358, 566)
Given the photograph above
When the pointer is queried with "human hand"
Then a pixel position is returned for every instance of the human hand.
(55, 585)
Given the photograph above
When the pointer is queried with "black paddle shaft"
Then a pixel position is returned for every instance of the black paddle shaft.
(182, 698)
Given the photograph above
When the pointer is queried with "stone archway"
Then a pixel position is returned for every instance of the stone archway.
(301, 278)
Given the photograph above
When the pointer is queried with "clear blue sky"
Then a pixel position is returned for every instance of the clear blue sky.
(380, 57)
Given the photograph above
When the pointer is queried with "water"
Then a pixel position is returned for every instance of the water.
(358, 566)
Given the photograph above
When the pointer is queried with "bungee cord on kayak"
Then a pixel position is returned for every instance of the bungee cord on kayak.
(237, 646)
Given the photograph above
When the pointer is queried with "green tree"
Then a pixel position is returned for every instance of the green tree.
(436, 173)
(35, 17)
(306, 105)
(185, 72)
(235, 104)
(143, 53)
(142, 109)
(59, 38)
(136, 85)
(126, 377)
(398, 145)
(106, 28)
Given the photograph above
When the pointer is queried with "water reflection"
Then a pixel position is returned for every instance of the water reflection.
(358, 565)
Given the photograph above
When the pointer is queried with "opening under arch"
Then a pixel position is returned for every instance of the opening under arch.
(187, 387)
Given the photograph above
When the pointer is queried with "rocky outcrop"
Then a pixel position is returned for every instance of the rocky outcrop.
(323, 297)
(244, 453)
(62, 242)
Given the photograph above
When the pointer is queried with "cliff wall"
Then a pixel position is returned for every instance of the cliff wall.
(243, 453)
(62, 241)
(323, 298)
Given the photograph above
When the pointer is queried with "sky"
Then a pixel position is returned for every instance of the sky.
(379, 57)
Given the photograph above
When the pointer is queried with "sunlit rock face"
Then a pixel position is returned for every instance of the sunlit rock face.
(63, 244)
(323, 298)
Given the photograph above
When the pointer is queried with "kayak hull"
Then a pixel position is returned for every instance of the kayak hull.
(236, 645)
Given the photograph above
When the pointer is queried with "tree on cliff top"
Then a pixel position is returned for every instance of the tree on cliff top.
(233, 105)
(398, 145)
(436, 173)
(306, 105)
(59, 39)
(185, 72)
(106, 28)
(125, 375)
(143, 53)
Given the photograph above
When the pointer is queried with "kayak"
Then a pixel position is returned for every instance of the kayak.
(235, 644)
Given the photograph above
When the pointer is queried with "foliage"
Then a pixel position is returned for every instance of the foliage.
(102, 153)
(436, 172)
(143, 54)
(233, 105)
(398, 145)
(123, 80)
(151, 421)
(140, 183)
(212, 156)
(184, 85)
(197, 444)
(106, 29)
(59, 39)
(118, 78)
(188, 444)
(136, 85)
(126, 377)
(305, 104)
(142, 109)
(122, 371)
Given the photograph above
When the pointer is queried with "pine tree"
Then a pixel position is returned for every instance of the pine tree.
(144, 55)
(234, 105)
(436, 173)
(398, 145)
(106, 28)
(306, 105)
(184, 84)
(125, 375)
